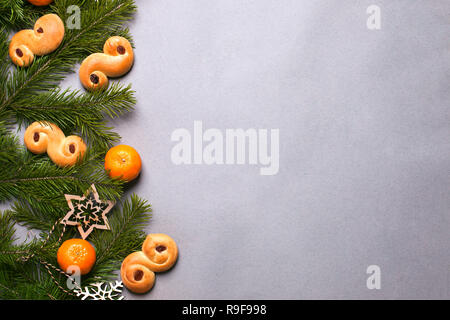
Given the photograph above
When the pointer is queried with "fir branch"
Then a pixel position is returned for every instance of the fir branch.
(7, 231)
(78, 112)
(28, 281)
(23, 279)
(9, 147)
(99, 21)
(4, 65)
(28, 216)
(38, 185)
(11, 11)
(126, 235)
(126, 226)
(30, 94)
(114, 101)
(33, 182)
(18, 13)
(30, 177)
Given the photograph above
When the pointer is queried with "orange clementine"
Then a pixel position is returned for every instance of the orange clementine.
(123, 162)
(40, 2)
(76, 252)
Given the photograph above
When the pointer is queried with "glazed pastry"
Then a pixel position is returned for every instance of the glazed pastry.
(136, 273)
(116, 60)
(46, 36)
(43, 137)
(159, 253)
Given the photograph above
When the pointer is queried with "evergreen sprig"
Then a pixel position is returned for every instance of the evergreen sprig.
(20, 280)
(18, 13)
(38, 186)
(23, 89)
(126, 236)
(34, 184)
(78, 112)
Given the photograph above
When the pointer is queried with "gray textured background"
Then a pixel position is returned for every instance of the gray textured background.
(364, 146)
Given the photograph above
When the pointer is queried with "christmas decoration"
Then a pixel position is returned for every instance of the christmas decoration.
(33, 184)
(87, 212)
(46, 36)
(101, 291)
(47, 137)
(123, 162)
(76, 252)
(116, 60)
(159, 253)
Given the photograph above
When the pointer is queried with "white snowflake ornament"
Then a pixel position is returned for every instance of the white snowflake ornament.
(101, 291)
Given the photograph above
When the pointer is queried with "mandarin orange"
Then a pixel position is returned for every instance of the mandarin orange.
(40, 2)
(76, 252)
(123, 162)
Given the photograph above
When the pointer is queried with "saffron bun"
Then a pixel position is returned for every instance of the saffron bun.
(136, 273)
(41, 137)
(116, 60)
(159, 253)
(46, 36)
(161, 250)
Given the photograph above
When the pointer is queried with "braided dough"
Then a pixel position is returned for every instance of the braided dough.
(46, 36)
(159, 253)
(47, 137)
(116, 60)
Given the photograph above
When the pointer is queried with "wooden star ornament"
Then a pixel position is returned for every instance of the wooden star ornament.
(87, 212)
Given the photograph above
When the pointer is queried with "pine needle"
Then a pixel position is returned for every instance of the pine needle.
(34, 184)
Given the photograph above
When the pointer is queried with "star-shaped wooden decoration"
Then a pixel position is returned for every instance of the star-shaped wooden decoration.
(87, 212)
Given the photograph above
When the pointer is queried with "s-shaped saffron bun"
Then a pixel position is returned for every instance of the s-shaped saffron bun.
(159, 253)
(115, 60)
(41, 137)
(161, 250)
(136, 273)
(46, 36)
